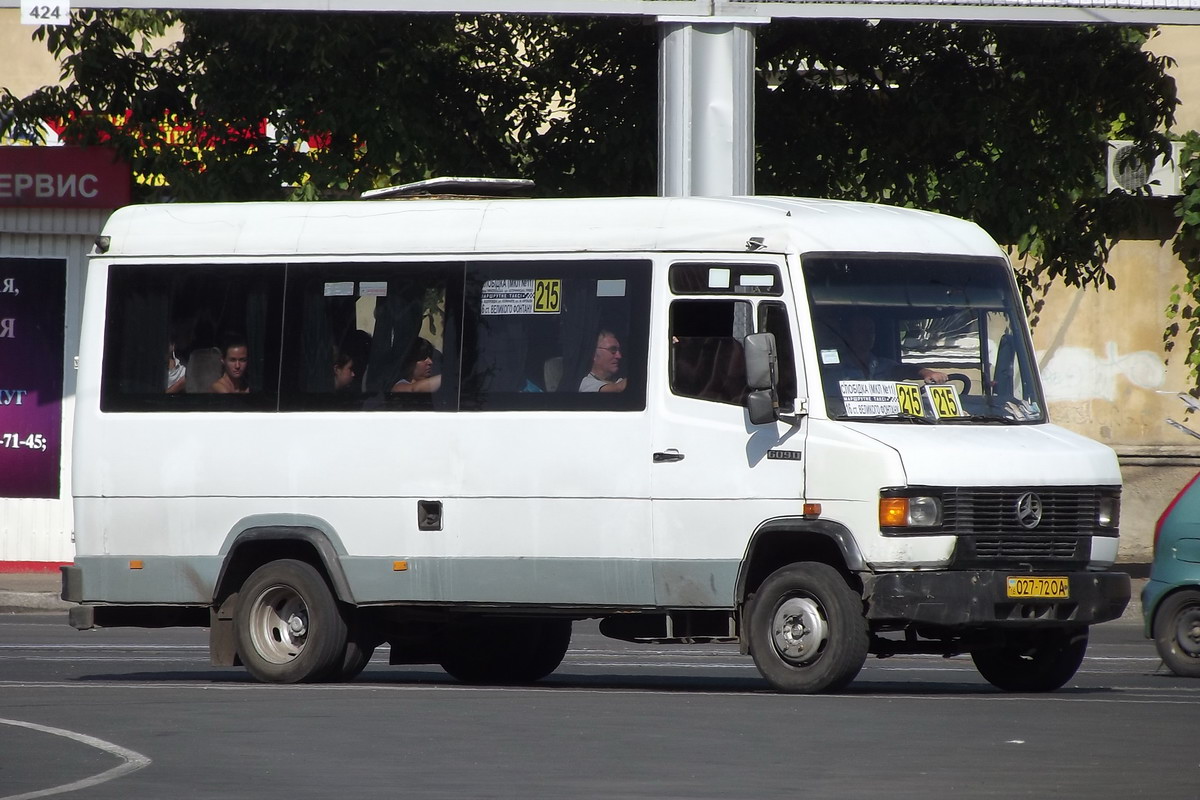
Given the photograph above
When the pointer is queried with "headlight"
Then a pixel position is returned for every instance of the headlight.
(922, 511)
(1108, 515)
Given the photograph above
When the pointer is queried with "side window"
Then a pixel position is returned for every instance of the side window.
(192, 338)
(773, 318)
(705, 277)
(708, 361)
(372, 337)
(557, 335)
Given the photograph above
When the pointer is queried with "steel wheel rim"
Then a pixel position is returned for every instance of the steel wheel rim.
(799, 630)
(1187, 631)
(279, 625)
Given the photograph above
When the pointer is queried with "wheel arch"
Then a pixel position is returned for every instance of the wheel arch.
(258, 540)
(787, 540)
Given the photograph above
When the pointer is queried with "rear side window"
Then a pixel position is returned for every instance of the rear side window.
(556, 335)
(351, 336)
(195, 338)
(372, 337)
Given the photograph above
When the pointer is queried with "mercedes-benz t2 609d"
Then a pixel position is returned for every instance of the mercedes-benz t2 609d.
(454, 427)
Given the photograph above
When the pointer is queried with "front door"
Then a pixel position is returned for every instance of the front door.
(715, 477)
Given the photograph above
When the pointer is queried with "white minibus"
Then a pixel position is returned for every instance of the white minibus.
(456, 426)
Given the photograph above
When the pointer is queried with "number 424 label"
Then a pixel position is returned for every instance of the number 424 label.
(53, 13)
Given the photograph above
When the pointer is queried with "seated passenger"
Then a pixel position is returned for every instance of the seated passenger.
(176, 371)
(234, 361)
(343, 372)
(418, 370)
(854, 339)
(606, 363)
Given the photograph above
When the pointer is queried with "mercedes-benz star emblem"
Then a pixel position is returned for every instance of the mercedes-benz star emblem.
(1029, 510)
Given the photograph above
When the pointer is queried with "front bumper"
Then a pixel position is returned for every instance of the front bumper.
(978, 598)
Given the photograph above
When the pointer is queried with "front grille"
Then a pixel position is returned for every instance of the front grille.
(1023, 547)
(990, 533)
(1067, 510)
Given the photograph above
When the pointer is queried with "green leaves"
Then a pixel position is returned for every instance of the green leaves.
(1185, 298)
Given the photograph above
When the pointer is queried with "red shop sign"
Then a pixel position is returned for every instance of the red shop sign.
(62, 177)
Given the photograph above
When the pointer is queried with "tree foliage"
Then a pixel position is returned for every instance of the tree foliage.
(1183, 307)
(1005, 125)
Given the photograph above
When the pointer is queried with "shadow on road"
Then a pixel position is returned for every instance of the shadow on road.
(389, 677)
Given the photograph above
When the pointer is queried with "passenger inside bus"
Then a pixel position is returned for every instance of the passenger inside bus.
(176, 371)
(606, 363)
(418, 369)
(343, 372)
(849, 354)
(234, 359)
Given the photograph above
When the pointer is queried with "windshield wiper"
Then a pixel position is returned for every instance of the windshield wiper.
(991, 418)
(889, 418)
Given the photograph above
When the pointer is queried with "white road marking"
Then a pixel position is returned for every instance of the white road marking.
(130, 761)
(73, 647)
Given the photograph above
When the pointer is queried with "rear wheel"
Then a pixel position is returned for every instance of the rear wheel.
(505, 650)
(289, 628)
(807, 630)
(1177, 633)
(354, 660)
(1037, 662)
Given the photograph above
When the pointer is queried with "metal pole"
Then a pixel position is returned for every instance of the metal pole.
(706, 107)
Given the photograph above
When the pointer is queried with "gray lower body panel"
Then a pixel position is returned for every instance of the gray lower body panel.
(582, 582)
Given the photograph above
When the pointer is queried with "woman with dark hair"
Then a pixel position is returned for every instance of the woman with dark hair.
(344, 371)
(417, 374)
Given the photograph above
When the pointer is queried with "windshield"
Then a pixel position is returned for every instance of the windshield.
(907, 338)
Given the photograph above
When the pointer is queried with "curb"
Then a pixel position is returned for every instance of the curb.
(31, 602)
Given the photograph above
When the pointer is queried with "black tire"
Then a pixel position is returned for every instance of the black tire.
(505, 650)
(289, 628)
(354, 661)
(807, 630)
(1041, 661)
(1177, 633)
(361, 640)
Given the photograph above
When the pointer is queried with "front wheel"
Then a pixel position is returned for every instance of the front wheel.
(288, 625)
(1036, 662)
(1177, 633)
(807, 630)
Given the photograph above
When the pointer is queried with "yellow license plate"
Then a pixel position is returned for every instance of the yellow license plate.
(1039, 587)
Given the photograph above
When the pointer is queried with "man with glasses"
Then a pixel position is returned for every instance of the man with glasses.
(606, 363)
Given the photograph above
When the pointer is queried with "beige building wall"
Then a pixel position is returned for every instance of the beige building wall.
(1182, 43)
(26, 64)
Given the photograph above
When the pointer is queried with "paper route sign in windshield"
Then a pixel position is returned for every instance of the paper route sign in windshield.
(869, 398)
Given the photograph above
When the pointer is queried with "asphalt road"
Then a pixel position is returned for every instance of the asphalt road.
(139, 714)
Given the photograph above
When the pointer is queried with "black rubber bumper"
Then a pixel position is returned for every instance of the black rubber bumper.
(964, 599)
(72, 583)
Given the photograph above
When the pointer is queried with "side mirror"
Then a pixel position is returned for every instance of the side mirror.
(761, 370)
(762, 408)
(762, 365)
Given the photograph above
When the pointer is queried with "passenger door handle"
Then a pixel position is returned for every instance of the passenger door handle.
(669, 455)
